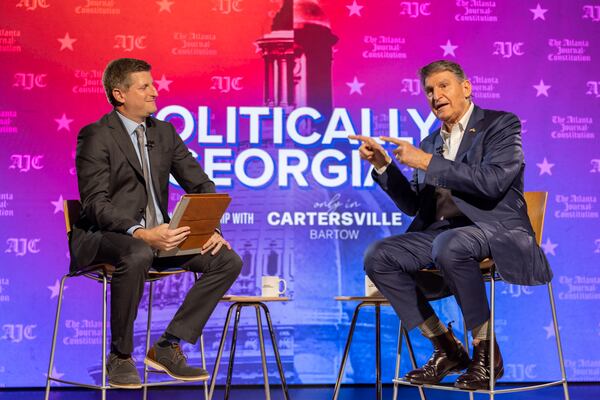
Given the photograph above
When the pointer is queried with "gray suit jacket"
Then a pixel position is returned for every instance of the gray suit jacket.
(111, 182)
(486, 181)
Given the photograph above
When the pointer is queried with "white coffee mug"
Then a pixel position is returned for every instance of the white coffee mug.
(370, 288)
(270, 286)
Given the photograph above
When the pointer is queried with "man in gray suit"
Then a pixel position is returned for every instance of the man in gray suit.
(467, 199)
(123, 164)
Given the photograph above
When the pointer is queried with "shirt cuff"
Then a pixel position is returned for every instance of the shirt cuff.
(133, 229)
(381, 170)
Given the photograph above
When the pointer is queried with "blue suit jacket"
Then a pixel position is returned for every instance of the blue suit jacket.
(486, 181)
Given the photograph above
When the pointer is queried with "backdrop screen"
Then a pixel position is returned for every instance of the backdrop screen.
(264, 93)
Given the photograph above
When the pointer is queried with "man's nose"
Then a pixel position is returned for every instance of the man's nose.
(153, 92)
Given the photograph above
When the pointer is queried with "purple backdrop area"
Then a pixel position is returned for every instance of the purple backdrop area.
(231, 74)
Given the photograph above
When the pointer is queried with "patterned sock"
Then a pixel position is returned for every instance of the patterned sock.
(167, 339)
(432, 326)
(482, 332)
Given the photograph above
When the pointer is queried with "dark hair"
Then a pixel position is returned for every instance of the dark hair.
(117, 75)
(440, 66)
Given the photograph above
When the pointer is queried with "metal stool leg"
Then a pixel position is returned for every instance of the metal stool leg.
(213, 379)
(413, 361)
(104, 328)
(467, 347)
(232, 351)
(378, 386)
(54, 334)
(262, 352)
(203, 358)
(492, 331)
(558, 344)
(338, 382)
(148, 329)
(398, 359)
(286, 394)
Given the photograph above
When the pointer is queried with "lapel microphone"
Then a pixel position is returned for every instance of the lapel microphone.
(150, 144)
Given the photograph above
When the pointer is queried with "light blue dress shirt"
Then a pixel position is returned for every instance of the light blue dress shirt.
(130, 127)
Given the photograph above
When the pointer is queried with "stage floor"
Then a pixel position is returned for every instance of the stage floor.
(350, 392)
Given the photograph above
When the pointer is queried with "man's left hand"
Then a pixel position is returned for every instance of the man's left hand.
(408, 154)
(215, 243)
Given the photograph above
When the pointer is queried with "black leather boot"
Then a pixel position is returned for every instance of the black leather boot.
(448, 356)
(477, 376)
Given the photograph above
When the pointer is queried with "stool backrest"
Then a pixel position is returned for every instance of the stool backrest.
(72, 209)
(536, 209)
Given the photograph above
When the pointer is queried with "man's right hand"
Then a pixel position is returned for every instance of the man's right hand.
(372, 151)
(161, 237)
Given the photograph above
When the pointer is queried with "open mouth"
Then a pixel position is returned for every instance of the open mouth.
(440, 106)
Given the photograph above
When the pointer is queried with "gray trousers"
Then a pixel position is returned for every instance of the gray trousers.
(133, 258)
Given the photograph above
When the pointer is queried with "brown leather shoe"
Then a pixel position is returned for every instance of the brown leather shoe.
(170, 359)
(448, 356)
(477, 376)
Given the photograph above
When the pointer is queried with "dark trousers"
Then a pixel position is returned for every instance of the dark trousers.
(133, 259)
(393, 262)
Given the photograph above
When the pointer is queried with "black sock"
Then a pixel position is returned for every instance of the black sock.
(120, 355)
(167, 339)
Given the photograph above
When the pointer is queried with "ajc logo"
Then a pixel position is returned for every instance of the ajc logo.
(516, 290)
(26, 162)
(591, 12)
(227, 6)
(520, 372)
(22, 246)
(593, 88)
(508, 49)
(31, 5)
(16, 333)
(28, 80)
(414, 9)
(130, 42)
(412, 86)
(225, 84)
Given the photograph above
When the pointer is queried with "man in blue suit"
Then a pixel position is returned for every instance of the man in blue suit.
(467, 199)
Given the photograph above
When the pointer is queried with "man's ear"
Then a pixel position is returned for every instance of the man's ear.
(467, 88)
(118, 95)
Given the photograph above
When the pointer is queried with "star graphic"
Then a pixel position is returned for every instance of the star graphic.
(354, 9)
(163, 83)
(165, 5)
(355, 86)
(448, 49)
(58, 205)
(542, 89)
(538, 12)
(55, 374)
(63, 123)
(54, 289)
(545, 167)
(550, 330)
(66, 42)
(549, 247)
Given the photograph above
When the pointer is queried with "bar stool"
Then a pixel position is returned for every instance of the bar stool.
(536, 207)
(376, 302)
(102, 273)
(258, 302)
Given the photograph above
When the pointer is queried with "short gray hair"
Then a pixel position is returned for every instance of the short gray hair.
(116, 75)
(441, 66)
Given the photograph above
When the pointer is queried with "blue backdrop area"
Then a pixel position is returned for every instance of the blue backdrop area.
(264, 94)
